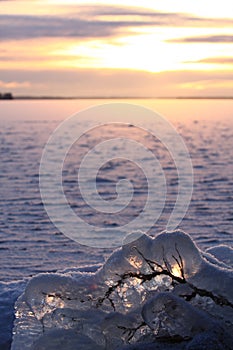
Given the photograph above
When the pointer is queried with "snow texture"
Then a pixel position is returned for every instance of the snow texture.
(153, 293)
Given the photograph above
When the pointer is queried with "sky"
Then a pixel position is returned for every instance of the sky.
(148, 48)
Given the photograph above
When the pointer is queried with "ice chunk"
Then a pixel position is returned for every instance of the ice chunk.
(9, 292)
(172, 317)
(119, 329)
(176, 252)
(151, 288)
(28, 328)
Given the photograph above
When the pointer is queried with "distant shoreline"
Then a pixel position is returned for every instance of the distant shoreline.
(118, 98)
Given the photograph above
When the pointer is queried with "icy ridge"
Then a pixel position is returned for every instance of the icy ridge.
(160, 292)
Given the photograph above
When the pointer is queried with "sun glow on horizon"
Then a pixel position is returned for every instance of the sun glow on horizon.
(128, 35)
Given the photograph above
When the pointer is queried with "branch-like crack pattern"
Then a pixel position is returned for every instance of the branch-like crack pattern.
(218, 299)
(166, 270)
(156, 270)
(177, 277)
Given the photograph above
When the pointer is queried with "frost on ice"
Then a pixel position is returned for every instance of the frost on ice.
(153, 293)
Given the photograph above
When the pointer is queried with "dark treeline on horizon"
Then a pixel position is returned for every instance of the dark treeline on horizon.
(6, 96)
(9, 96)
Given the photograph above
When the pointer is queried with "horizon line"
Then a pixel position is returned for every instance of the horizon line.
(25, 97)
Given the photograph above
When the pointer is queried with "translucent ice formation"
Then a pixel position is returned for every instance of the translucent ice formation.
(160, 293)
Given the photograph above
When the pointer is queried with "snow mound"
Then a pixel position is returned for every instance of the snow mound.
(158, 293)
(222, 253)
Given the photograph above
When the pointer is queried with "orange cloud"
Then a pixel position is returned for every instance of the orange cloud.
(14, 84)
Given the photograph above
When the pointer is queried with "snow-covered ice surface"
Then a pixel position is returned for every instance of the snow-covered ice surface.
(159, 293)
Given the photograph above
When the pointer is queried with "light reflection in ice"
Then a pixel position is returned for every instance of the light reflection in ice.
(176, 271)
(130, 299)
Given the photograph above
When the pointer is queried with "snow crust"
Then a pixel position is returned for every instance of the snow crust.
(153, 293)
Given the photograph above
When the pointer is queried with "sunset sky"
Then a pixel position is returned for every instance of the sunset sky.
(117, 48)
